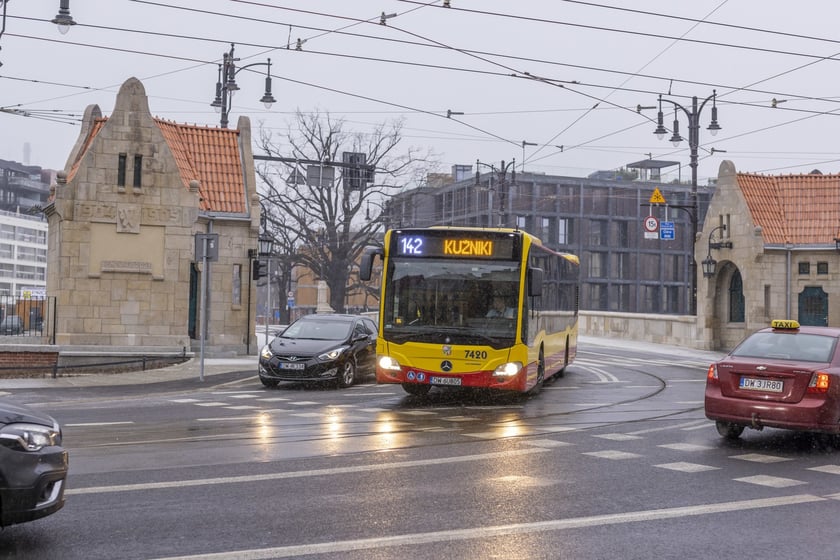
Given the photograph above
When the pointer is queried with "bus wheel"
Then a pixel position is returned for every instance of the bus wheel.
(562, 371)
(535, 390)
(416, 389)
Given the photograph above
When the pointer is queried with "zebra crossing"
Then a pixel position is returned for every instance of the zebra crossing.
(693, 459)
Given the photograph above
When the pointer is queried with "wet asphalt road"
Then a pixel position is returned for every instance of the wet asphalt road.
(614, 460)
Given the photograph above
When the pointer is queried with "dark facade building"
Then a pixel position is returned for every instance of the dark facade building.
(23, 187)
(602, 220)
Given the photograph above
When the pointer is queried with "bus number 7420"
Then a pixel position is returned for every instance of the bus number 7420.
(475, 354)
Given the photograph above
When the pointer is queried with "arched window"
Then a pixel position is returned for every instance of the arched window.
(736, 298)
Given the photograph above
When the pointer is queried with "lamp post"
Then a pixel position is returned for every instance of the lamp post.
(693, 116)
(226, 85)
(502, 174)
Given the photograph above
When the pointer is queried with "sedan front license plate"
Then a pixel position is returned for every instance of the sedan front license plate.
(286, 365)
(445, 380)
(756, 384)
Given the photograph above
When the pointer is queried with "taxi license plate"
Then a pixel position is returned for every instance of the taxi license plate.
(755, 384)
(286, 365)
(445, 380)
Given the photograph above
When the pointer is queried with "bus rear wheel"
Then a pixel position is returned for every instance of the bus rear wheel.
(416, 389)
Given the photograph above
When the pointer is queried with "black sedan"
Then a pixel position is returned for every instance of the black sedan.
(327, 347)
(33, 465)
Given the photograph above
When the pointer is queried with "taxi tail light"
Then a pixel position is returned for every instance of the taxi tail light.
(819, 382)
(712, 375)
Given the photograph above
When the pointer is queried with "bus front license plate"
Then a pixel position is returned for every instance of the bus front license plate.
(445, 380)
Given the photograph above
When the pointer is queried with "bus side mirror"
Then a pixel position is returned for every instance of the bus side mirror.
(536, 276)
(366, 263)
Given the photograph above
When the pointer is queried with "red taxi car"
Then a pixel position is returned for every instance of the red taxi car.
(785, 376)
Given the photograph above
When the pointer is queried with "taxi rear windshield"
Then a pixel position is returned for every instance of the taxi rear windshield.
(787, 346)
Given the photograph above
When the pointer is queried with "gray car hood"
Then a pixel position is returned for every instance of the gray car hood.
(14, 413)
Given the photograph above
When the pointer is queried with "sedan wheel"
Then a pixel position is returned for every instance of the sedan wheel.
(348, 374)
(268, 382)
(729, 431)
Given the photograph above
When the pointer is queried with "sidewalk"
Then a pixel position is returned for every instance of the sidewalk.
(214, 366)
(191, 369)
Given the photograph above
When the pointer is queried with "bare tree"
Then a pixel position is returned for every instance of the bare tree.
(319, 216)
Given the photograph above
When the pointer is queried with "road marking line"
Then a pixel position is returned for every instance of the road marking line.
(830, 469)
(547, 443)
(602, 375)
(612, 454)
(670, 427)
(97, 424)
(760, 458)
(686, 446)
(301, 474)
(477, 533)
(771, 481)
(617, 437)
(682, 466)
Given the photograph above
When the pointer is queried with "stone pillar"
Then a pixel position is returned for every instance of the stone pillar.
(323, 306)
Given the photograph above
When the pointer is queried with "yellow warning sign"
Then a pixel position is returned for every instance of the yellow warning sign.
(656, 197)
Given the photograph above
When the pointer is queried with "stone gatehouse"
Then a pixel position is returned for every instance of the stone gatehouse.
(123, 220)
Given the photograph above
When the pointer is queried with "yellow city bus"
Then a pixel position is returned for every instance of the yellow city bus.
(473, 307)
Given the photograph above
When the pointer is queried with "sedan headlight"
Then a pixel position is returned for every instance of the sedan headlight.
(333, 354)
(265, 353)
(29, 437)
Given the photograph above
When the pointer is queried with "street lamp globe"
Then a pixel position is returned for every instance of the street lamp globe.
(266, 245)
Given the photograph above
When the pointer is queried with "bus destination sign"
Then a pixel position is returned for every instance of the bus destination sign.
(439, 244)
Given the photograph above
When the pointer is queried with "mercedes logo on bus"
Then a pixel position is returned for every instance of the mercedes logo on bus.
(446, 365)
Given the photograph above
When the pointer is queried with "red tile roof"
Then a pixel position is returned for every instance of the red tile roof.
(208, 154)
(797, 209)
(212, 156)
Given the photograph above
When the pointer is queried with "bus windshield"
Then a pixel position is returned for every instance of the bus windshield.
(451, 301)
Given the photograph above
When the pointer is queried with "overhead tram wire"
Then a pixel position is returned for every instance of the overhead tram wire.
(407, 63)
(482, 54)
(705, 22)
(392, 104)
(420, 44)
(624, 31)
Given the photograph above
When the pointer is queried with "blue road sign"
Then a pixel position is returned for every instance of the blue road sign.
(666, 230)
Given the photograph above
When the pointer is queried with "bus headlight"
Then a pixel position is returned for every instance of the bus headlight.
(388, 363)
(508, 369)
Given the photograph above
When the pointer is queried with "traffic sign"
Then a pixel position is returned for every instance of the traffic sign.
(656, 197)
(666, 230)
(651, 224)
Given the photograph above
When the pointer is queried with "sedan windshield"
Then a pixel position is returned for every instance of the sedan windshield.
(317, 330)
(788, 346)
(452, 301)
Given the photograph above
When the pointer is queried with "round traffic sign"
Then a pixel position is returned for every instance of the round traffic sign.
(651, 224)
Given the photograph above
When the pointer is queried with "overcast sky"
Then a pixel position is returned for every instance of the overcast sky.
(548, 72)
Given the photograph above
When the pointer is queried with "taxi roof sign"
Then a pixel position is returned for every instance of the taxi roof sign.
(784, 324)
(656, 197)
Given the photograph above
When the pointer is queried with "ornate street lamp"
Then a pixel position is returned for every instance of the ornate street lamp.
(63, 19)
(693, 116)
(266, 245)
(709, 263)
(226, 85)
